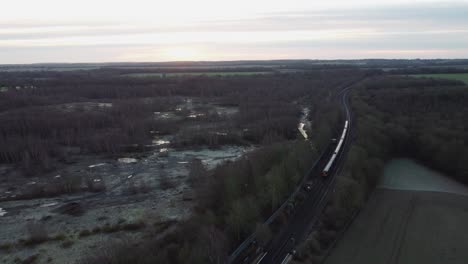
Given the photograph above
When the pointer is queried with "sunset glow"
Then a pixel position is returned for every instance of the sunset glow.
(143, 30)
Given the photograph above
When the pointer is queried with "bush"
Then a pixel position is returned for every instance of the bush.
(37, 233)
(31, 259)
(133, 226)
(67, 244)
(84, 233)
(60, 236)
(6, 246)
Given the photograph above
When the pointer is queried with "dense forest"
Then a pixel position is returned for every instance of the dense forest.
(48, 116)
(422, 118)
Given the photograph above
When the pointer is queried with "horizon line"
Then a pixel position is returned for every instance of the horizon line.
(220, 61)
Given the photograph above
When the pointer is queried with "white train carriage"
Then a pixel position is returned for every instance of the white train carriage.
(337, 150)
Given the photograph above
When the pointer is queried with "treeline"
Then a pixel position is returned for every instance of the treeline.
(425, 119)
(200, 69)
(426, 70)
(34, 137)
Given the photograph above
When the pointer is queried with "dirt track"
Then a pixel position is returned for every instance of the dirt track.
(407, 227)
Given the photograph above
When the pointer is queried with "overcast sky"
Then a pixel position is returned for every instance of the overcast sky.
(154, 30)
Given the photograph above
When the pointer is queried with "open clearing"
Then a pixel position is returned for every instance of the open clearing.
(407, 226)
(453, 76)
(145, 192)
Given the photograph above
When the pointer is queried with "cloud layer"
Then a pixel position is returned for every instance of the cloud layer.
(420, 30)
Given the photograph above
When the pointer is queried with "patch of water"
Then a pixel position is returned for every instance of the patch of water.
(304, 122)
(159, 142)
(301, 129)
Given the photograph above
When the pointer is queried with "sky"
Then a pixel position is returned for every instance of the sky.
(33, 31)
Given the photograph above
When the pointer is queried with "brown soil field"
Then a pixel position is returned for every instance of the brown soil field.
(407, 227)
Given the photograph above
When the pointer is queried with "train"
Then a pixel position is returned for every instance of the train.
(337, 150)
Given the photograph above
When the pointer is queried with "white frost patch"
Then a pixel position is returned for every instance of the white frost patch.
(163, 115)
(2, 212)
(58, 176)
(96, 180)
(182, 162)
(31, 183)
(130, 176)
(48, 204)
(211, 157)
(164, 152)
(127, 160)
(194, 115)
(107, 105)
(96, 165)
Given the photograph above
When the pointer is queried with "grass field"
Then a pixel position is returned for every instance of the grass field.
(406, 226)
(176, 74)
(454, 76)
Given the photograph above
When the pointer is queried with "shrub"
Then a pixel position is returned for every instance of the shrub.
(60, 236)
(84, 233)
(37, 233)
(31, 259)
(133, 226)
(6, 246)
(67, 244)
(108, 228)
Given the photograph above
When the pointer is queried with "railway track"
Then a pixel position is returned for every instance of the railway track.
(282, 247)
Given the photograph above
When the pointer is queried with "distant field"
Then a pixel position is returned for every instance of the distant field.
(405, 174)
(175, 74)
(454, 76)
(406, 226)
